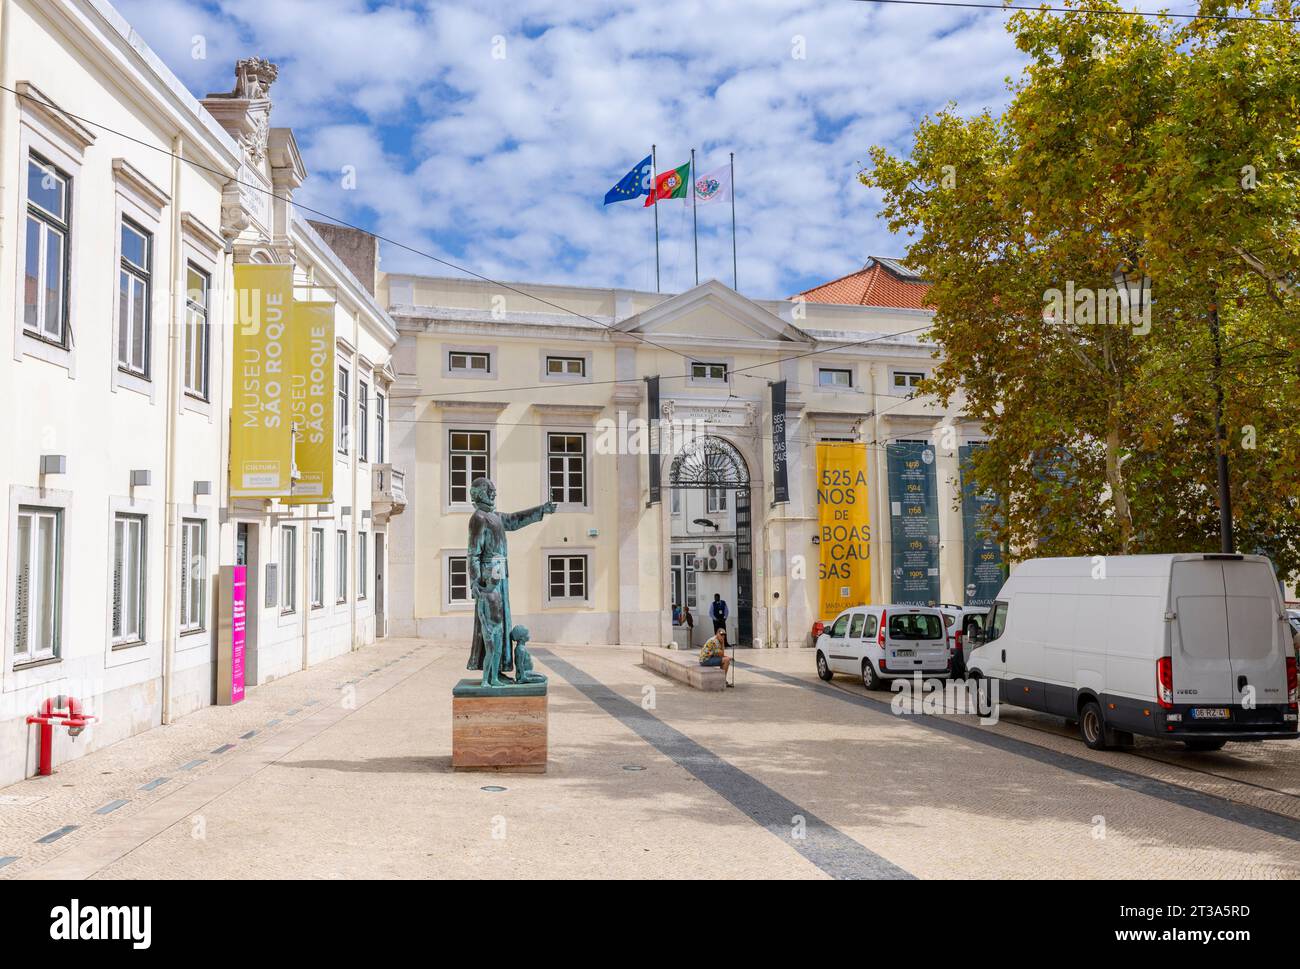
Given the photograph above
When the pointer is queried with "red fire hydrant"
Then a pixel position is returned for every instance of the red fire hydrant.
(65, 710)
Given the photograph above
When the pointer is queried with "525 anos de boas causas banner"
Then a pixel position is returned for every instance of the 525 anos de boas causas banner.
(843, 527)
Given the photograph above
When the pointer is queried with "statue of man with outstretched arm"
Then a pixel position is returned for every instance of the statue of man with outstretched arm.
(489, 579)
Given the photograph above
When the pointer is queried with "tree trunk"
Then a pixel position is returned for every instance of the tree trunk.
(1118, 489)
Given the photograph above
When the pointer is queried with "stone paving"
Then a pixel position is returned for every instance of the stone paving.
(344, 772)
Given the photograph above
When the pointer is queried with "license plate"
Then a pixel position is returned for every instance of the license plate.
(1211, 713)
(904, 652)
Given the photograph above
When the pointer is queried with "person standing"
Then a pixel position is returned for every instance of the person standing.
(718, 613)
(688, 621)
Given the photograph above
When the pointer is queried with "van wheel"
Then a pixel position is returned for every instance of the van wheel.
(1092, 726)
(1204, 745)
(823, 669)
(870, 678)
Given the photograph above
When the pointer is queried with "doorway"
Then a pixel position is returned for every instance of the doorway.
(711, 544)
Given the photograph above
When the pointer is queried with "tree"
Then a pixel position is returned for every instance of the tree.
(1170, 151)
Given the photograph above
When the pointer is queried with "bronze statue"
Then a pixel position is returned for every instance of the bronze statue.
(492, 650)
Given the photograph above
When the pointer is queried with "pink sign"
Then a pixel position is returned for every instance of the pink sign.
(238, 603)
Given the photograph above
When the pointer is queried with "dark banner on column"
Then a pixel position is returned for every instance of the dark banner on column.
(984, 571)
(914, 523)
(780, 479)
(652, 427)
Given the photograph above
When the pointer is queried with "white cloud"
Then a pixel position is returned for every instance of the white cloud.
(501, 162)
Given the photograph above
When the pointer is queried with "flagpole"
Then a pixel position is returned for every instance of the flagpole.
(695, 218)
(654, 181)
(735, 275)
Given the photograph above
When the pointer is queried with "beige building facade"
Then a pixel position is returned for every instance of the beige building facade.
(541, 388)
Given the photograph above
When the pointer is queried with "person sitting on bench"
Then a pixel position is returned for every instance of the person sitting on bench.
(714, 652)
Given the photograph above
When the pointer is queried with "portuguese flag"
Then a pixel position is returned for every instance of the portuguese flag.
(671, 184)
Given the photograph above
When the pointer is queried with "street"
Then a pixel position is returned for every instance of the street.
(343, 772)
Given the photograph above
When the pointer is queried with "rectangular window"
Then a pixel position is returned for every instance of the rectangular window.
(362, 583)
(708, 371)
(45, 274)
(317, 567)
(468, 460)
(379, 427)
(344, 412)
(363, 420)
(475, 363)
(341, 566)
(676, 501)
(194, 574)
(566, 366)
(717, 499)
(908, 379)
(134, 284)
(566, 456)
(197, 333)
(688, 566)
(827, 377)
(128, 579)
(288, 568)
(567, 577)
(38, 584)
(457, 578)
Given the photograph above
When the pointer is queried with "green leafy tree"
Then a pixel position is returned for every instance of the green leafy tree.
(1132, 148)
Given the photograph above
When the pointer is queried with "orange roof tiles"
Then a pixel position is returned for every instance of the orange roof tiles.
(881, 282)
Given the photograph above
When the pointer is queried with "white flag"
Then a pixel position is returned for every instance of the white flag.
(714, 186)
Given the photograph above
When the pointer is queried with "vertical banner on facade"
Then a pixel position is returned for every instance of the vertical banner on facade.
(843, 527)
(652, 425)
(914, 523)
(232, 606)
(780, 479)
(260, 440)
(311, 401)
(983, 555)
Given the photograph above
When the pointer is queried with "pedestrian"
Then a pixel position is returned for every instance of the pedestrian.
(689, 622)
(714, 652)
(718, 612)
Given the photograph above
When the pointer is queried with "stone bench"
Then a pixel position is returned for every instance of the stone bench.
(684, 665)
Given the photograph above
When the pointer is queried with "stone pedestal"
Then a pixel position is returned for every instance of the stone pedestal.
(498, 728)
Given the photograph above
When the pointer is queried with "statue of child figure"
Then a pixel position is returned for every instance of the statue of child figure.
(523, 660)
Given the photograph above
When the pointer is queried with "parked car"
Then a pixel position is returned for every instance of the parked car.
(1190, 647)
(879, 643)
(959, 621)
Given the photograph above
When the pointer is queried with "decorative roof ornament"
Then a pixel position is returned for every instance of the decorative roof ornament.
(253, 78)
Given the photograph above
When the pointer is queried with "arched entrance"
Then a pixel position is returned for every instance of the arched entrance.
(710, 477)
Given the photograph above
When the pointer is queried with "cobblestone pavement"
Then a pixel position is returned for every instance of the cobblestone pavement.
(344, 772)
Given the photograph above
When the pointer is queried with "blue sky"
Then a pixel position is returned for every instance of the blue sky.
(488, 133)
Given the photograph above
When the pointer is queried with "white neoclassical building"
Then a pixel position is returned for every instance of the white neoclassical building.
(125, 203)
(527, 383)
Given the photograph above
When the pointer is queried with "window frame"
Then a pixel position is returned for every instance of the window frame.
(908, 387)
(288, 564)
(707, 380)
(567, 471)
(118, 585)
(316, 563)
(135, 273)
(340, 566)
(48, 222)
(450, 561)
(381, 408)
(363, 419)
(53, 651)
(835, 386)
(343, 410)
(188, 583)
(570, 555)
(362, 562)
(452, 453)
(452, 371)
(204, 327)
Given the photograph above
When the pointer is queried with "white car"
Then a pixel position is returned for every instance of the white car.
(880, 643)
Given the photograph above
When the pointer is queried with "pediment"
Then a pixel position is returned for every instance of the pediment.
(712, 311)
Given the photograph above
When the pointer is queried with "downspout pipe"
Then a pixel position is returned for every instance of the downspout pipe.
(171, 565)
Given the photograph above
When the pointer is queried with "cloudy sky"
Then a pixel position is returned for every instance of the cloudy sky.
(487, 133)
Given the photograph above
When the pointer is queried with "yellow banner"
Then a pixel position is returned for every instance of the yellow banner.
(311, 401)
(843, 527)
(260, 442)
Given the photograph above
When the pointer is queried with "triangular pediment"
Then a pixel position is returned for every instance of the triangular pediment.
(713, 310)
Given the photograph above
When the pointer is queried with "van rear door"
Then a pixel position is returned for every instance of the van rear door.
(1201, 662)
(1257, 641)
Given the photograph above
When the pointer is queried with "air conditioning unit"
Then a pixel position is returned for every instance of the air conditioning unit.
(716, 558)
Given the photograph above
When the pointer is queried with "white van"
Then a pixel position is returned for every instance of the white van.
(879, 643)
(1189, 647)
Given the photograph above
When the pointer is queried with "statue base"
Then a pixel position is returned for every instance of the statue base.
(499, 728)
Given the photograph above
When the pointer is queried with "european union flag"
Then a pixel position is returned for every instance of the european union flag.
(632, 185)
